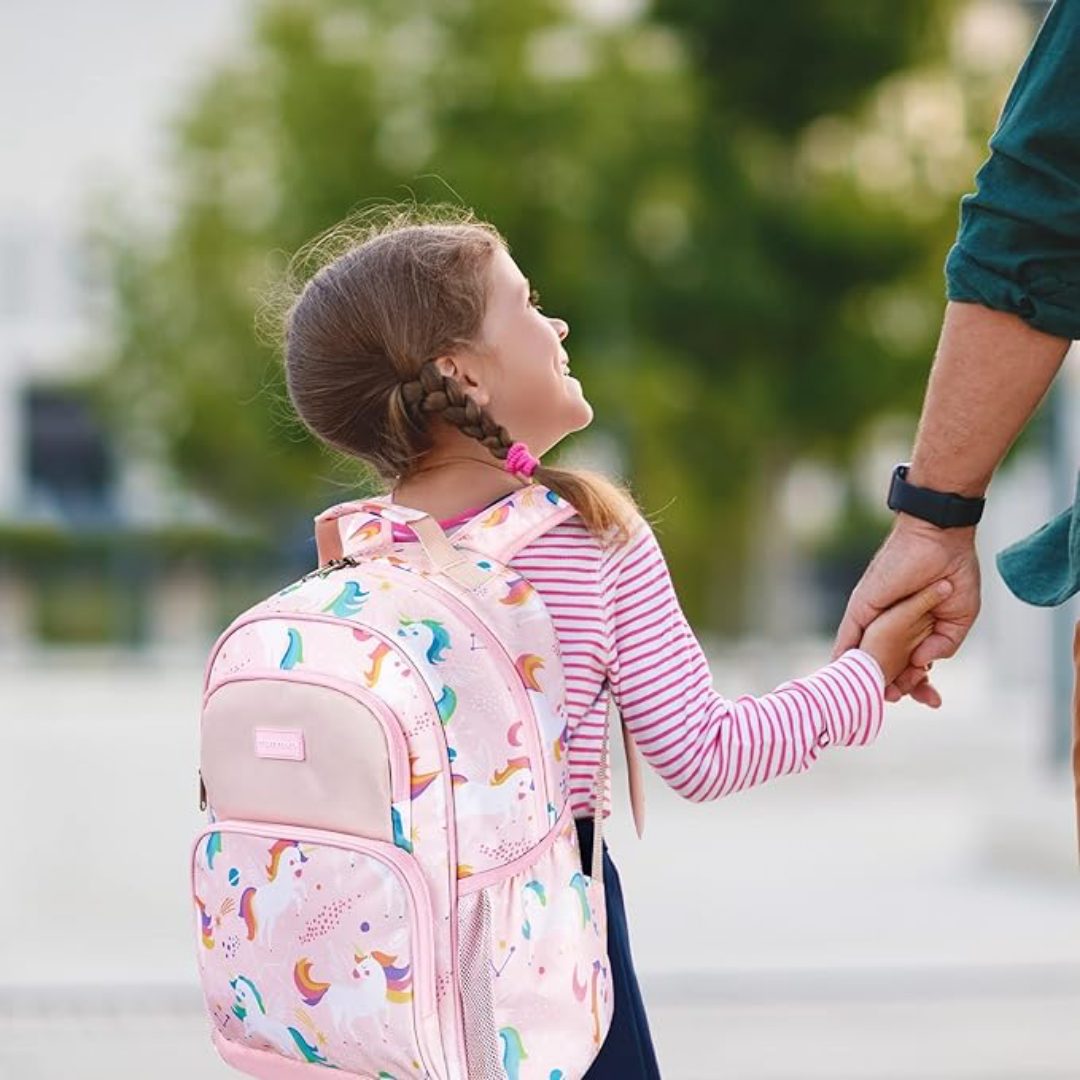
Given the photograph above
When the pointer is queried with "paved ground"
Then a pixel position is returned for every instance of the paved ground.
(902, 912)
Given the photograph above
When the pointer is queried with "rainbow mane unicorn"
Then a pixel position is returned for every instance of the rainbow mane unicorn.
(249, 1008)
(582, 989)
(213, 847)
(420, 782)
(513, 1051)
(553, 723)
(565, 917)
(348, 601)
(519, 593)
(207, 924)
(283, 652)
(374, 983)
(260, 907)
(497, 517)
(378, 654)
(426, 640)
(501, 797)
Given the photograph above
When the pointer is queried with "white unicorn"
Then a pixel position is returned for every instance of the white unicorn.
(556, 918)
(426, 640)
(551, 715)
(260, 907)
(374, 983)
(394, 901)
(503, 797)
(249, 1007)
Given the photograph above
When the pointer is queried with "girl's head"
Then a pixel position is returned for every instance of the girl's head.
(421, 337)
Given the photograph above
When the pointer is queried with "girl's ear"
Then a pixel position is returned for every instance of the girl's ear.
(467, 375)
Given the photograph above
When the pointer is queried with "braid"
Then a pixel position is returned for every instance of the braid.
(432, 392)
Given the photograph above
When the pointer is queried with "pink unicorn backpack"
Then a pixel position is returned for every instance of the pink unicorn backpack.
(389, 881)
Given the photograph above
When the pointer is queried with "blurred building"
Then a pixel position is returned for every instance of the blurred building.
(96, 545)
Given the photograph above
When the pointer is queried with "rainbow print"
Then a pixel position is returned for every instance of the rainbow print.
(519, 593)
(527, 665)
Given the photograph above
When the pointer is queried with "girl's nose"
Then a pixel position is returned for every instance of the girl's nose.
(562, 327)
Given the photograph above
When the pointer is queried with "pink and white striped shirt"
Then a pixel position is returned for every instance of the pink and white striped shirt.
(622, 631)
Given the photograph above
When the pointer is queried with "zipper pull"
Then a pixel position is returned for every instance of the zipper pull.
(202, 792)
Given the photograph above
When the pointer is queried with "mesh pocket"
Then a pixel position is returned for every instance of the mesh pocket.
(474, 953)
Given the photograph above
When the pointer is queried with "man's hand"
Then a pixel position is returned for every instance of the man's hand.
(913, 555)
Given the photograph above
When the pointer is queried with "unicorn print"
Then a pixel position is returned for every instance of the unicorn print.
(393, 901)
(500, 797)
(426, 640)
(348, 601)
(554, 727)
(378, 655)
(213, 848)
(249, 1007)
(374, 984)
(591, 989)
(560, 917)
(210, 922)
(499, 516)
(207, 924)
(421, 781)
(400, 815)
(262, 906)
(366, 533)
(284, 645)
(513, 1051)
(518, 593)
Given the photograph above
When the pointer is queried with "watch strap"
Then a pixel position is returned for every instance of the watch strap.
(946, 509)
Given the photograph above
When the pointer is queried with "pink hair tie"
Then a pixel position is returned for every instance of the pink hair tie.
(519, 460)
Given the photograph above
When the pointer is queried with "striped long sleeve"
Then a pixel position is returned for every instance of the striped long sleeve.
(622, 631)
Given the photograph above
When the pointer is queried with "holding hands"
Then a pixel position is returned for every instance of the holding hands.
(896, 614)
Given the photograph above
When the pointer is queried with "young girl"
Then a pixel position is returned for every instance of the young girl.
(422, 350)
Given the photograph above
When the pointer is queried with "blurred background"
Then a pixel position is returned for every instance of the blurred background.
(743, 210)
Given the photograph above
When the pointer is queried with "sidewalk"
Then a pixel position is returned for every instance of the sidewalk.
(905, 911)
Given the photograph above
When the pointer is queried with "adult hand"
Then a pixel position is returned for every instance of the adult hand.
(914, 555)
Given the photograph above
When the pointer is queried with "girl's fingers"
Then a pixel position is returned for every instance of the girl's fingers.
(926, 694)
(929, 598)
(908, 679)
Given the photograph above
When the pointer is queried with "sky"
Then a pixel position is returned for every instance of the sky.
(85, 88)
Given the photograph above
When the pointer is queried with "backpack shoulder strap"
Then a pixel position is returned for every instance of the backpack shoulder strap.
(504, 528)
(500, 531)
(352, 528)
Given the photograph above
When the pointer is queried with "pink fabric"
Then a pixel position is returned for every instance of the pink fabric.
(619, 623)
(403, 532)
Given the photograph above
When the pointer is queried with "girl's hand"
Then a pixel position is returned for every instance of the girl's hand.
(914, 555)
(896, 633)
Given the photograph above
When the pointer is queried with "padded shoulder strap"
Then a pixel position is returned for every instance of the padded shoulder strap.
(504, 528)
(500, 531)
(351, 528)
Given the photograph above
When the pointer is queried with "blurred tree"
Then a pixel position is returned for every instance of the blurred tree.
(685, 187)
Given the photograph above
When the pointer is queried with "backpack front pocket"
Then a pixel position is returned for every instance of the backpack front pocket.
(307, 748)
(315, 948)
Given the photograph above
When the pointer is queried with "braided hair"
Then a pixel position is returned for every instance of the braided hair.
(433, 392)
(395, 287)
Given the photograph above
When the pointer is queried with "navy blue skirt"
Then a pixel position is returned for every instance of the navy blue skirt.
(627, 1052)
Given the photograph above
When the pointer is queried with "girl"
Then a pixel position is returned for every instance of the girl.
(422, 350)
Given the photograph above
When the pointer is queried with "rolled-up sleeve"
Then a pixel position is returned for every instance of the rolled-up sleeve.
(1018, 244)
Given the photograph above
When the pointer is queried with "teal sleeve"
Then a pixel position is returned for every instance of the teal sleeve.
(1018, 245)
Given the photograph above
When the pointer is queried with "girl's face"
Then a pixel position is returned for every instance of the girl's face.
(521, 376)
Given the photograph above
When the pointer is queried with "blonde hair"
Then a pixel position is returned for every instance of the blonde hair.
(392, 289)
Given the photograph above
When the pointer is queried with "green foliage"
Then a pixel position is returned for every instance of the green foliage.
(725, 297)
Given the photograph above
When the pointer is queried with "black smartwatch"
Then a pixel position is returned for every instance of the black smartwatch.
(945, 509)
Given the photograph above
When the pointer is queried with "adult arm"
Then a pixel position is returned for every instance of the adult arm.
(992, 370)
(1013, 284)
